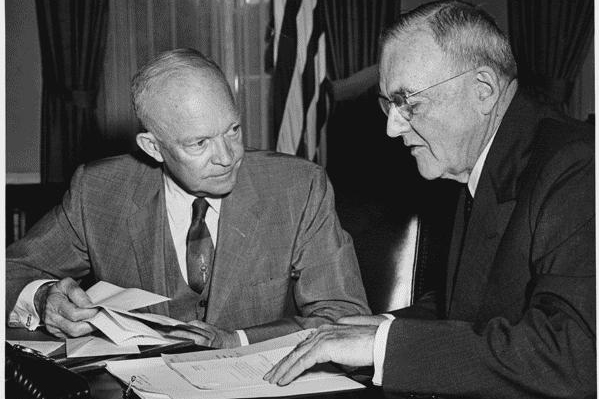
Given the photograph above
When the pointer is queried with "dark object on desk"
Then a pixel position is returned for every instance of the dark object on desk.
(29, 374)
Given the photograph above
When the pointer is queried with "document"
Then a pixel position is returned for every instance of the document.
(227, 373)
(110, 296)
(43, 347)
(241, 372)
(92, 346)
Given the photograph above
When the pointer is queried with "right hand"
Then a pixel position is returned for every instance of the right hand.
(61, 306)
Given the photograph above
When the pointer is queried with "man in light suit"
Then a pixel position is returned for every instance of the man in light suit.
(273, 256)
(518, 318)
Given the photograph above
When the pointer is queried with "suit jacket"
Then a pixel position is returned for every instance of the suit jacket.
(519, 317)
(282, 260)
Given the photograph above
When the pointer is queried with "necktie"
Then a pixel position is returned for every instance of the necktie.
(200, 249)
(467, 206)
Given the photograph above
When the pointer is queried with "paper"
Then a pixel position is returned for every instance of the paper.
(280, 342)
(110, 296)
(44, 347)
(96, 346)
(154, 379)
(123, 330)
(240, 372)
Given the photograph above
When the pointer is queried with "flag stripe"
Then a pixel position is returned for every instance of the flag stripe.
(300, 103)
(286, 45)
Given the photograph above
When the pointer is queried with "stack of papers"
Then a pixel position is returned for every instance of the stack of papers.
(225, 373)
(124, 330)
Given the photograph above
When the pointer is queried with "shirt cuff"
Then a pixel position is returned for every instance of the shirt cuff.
(380, 345)
(243, 338)
(24, 313)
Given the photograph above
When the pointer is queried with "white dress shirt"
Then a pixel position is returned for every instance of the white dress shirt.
(382, 333)
(179, 213)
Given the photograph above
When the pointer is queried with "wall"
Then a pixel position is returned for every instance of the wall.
(23, 93)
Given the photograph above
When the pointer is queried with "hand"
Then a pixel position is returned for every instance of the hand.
(342, 344)
(61, 307)
(208, 335)
(362, 320)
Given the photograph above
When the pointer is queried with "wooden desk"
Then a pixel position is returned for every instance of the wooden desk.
(104, 386)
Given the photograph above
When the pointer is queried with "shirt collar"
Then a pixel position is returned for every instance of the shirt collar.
(478, 167)
(176, 195)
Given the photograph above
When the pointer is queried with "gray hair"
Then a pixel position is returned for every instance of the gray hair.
(466, 34)
(173, 63)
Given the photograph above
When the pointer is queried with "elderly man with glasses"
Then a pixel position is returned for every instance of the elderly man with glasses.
(517, 318)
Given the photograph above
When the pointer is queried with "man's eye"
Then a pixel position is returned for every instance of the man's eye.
(200, 143)
(235, 129)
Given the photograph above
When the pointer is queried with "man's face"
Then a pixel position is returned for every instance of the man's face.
(199, 138)
(443, 131)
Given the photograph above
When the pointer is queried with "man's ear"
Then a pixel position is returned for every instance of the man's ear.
(487, 89)
(149, 144)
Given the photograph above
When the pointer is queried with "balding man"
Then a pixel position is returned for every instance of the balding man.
(517, 318)
(247, 245)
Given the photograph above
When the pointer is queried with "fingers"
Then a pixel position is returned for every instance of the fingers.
(200, 337)
(305, 355)
(343, 344)
(61, 315)
(362, 320)
(72, 300)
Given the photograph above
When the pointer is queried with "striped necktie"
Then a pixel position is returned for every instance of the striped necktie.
(200, 249)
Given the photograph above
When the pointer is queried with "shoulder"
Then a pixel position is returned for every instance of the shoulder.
(117, 169)
(277, 168)
(562, 145)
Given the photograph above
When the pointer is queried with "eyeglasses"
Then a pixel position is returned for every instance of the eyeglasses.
(400, 101)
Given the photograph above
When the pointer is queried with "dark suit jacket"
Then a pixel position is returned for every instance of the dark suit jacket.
(278, 223)
(520, 306)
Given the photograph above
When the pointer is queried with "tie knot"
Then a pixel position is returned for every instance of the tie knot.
(199, 208)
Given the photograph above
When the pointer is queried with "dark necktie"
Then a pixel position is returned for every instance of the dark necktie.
(200, 249)
(467, 206)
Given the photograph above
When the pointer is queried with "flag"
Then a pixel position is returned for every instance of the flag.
(300, 100)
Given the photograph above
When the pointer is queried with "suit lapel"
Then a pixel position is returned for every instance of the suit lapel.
(146, 229)
(494, 202)
(485, 229)
(237, 226)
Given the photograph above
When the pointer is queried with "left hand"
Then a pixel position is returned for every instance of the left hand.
(208, 335)
(342, 344)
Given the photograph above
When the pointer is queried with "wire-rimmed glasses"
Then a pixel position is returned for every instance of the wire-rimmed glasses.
(400, 100)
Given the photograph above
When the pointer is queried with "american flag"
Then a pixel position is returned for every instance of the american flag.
(300, 101)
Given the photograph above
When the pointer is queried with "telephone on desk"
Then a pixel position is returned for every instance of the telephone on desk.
(31, 375)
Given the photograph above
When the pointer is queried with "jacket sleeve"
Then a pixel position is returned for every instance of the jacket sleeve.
(550, 351)
(327, 283)
(54, 248)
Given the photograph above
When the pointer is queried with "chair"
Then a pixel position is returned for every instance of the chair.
(402, 250)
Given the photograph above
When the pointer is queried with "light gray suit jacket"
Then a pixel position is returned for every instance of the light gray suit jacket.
(282, 260)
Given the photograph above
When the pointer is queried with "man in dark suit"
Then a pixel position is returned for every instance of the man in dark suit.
(247, 245)
(518, 319)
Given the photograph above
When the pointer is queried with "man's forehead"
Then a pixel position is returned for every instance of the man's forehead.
(409, 62)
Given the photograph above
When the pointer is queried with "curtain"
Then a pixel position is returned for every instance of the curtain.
(550, 39)
(352, 30)
(230, 32)
(72, 39)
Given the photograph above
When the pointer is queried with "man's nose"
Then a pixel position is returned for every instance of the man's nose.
(397, 125)
(223, 153)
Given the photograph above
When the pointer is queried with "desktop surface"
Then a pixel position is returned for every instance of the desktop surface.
(104, 386)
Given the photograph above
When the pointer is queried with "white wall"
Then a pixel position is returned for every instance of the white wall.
(23, 92)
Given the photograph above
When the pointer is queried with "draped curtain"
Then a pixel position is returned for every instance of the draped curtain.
(230, 32)
(550, 39)
(352, 30)
(72, 39)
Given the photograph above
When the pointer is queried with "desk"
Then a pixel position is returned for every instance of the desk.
(104, 386)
